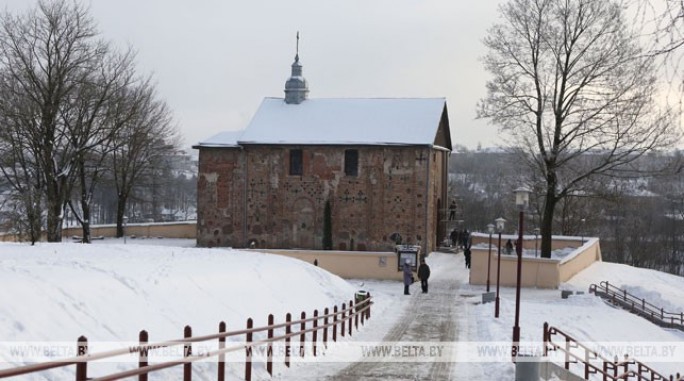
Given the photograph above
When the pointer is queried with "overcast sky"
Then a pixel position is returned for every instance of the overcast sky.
(215, 60)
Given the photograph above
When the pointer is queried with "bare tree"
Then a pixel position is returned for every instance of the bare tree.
(663, 21)
(145, 138)
(23, 199)
(48, 52)
(74, 101)
(92, 119)
(575, 91)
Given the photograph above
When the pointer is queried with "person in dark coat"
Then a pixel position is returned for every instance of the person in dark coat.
(423, 275)
(509, 247)
(454, 238)
(408, 276)
(467, 243)
(465, 237)
(467, 253)
(452, 210)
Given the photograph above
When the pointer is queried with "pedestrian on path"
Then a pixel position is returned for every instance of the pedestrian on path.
(423, 275)
(454, 238)
(467, 253)
(509, 247)
(452, 210)
(467, 243)
(408, 276)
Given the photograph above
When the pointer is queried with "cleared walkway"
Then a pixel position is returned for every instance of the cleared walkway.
(431, 317)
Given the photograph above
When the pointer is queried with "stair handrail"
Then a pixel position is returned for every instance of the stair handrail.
(636, 303)
(602, 366)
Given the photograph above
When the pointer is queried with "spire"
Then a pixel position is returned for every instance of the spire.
(296, 88)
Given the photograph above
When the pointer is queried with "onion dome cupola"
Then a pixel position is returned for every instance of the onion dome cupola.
(296, 88)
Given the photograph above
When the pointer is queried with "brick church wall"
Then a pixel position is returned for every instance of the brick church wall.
(247, 195)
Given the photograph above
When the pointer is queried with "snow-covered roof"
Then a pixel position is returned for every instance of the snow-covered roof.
(222, 139)
(348, 121)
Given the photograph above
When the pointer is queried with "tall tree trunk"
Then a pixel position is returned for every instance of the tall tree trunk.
(85, 201)
(54, 213)
(546, 229)
(85, 225)
(33, 216)
(121, 200)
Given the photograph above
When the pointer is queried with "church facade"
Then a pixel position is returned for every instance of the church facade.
(347, 174)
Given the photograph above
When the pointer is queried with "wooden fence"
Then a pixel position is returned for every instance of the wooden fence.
(638, 306)
(594, 365)
(341, 320)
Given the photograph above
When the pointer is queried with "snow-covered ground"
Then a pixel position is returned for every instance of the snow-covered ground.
(108, 291)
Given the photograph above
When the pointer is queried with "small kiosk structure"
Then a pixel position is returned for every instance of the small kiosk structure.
(407, 252)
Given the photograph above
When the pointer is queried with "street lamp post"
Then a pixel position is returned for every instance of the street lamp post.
(490, 229)
(536, 233)
(583, 220)
(125, 222)
(499, 228)
(522, 196)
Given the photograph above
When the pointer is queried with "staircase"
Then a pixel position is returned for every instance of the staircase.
(638, 306)
(588, 364)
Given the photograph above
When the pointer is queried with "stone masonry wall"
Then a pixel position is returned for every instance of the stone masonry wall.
(266, 206)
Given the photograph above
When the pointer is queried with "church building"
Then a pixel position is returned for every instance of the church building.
(344, 174)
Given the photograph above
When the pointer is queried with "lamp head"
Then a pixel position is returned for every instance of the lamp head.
(490, 228)
(500, 222)
(522, 197)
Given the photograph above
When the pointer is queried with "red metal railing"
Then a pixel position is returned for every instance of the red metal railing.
(594, 365)
(638, 306)
(342, 320)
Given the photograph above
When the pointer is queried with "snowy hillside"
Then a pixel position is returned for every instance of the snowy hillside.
(57, 292)
(53, 293)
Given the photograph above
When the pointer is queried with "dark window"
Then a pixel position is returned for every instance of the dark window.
(296, 162)
(351, 162)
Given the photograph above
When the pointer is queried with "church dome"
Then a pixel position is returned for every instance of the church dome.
(296, 87)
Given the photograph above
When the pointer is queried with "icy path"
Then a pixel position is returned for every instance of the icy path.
(430, 317)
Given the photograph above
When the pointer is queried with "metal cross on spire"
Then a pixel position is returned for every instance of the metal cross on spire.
(297, 52)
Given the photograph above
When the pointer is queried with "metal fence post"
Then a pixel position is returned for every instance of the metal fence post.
(187, 352)
(269, 350)
(82, 366)
(363, 313)
(326, 312)
(567, 353)
(288, 330)
(344, 316)
(334, 327)
(302, 337)
(143, 339)
(368, 311)
(248, 350)
(222, 356)
(546, 338)
(314, 336)
(351, 311)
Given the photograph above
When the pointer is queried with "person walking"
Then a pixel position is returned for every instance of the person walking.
(465, 237)
(452, 210)
(509, 247)
(408, 276)
(467, 243)
(423, 275)
(454, 238)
